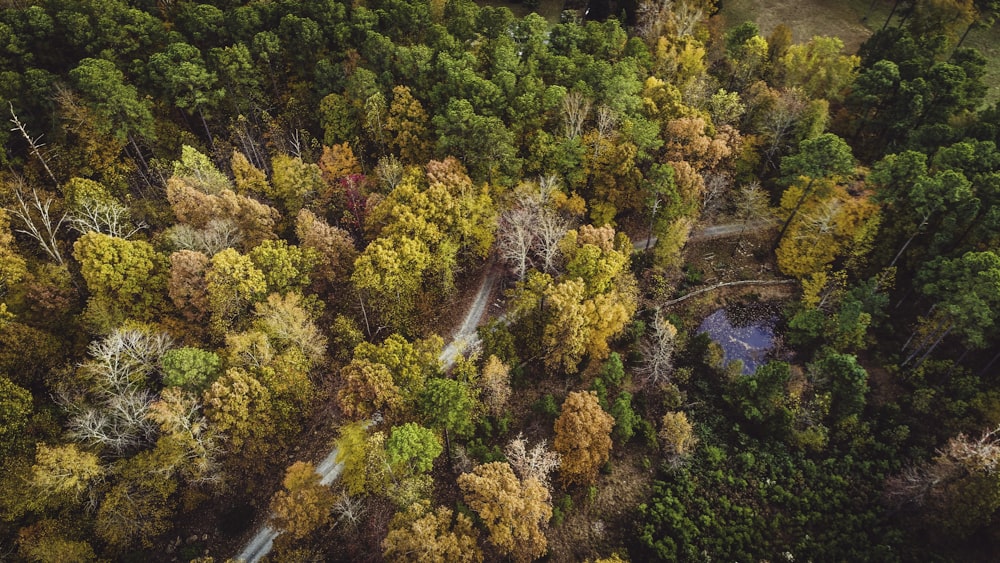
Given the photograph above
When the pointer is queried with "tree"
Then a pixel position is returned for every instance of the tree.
(285, 267)
(289, 325)
(233, 284)
(180, 70)
(420, 534)
(513, 511)
(967, 290)
(187, 287)
(110, 406)
(294, 181)
(368, 388)
(408, 122)
(583, 437)
(191, 368)
(677, 435)
(48, 540)
(333, 246)
(62, 473)
(846, 380)
(16, 403)
(762, 399)
(411, 364)
(957, 490)
(451, 406)
(12, 266)
(123, 277)
(819, 68)
(658, 351)
(412, 449)
(303, 505)
(536, 463)
(389, 273)
(494, 386)
(817, 159)
(481, 141)
(239, 407)
(120, 111)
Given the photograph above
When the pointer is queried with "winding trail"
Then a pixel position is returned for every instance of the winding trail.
(709, 233)
(464, 339)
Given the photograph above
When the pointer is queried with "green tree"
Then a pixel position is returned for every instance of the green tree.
(412, 449)
(191, 368)
(181, 71)
(451, 406)
(117, 105)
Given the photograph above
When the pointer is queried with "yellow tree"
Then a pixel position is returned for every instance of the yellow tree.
(407, 122)
(304, 504)
(233, 284)
(825, 230)
(368, 388)
(421, 534)
(583, 437)
(513, 511)
(389, 274)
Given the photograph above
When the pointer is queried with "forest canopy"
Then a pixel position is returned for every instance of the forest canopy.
(422, 281)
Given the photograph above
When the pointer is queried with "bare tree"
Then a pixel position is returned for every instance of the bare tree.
(550, 229)
(780, 122)
(652, 17)
(216, 236)
(962, 456)
(575, 108)
(349, 509)
(658, 351)
(33, 143)
(686, 17)
(516, 238)
(538, 462)
(113, 410)
(113, 219)
(39, 221)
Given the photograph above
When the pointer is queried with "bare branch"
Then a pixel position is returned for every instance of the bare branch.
(44, 228)
(32, 142)
(112, 219)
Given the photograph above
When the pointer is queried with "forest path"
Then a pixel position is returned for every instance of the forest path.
(709, 233)
(465, 338)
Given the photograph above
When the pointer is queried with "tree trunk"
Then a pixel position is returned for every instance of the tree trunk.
(869, 12)
(447, 447)
(989, 364)
(727, 284)
(204, 123)
(891, 13)
(798, 204)
(908, 241)
(964, 35)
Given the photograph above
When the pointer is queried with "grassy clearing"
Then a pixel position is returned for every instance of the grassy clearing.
(851, 20)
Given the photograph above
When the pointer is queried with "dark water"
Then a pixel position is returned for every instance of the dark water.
(744, 333)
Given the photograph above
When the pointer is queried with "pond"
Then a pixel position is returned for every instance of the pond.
(743, 333)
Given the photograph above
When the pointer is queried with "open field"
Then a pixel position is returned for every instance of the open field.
(851, 20)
